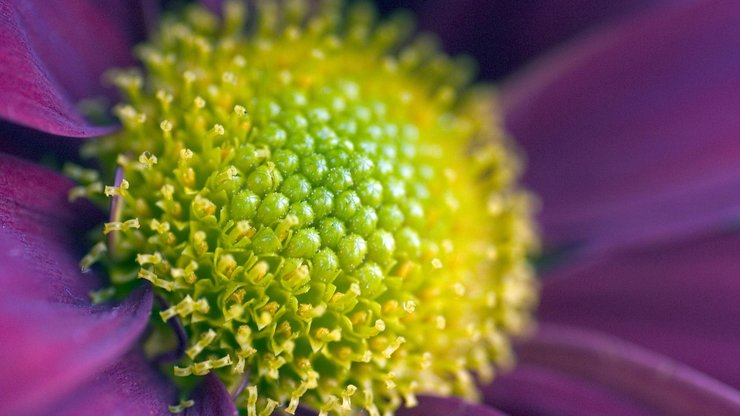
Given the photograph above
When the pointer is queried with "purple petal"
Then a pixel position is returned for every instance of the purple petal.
(680, 300)
(645, 379)
(447, 406)
(632, 133)
(541, 391)
(212, 399)
(51, 337)
(214, 6)
(128, 387)
(503, 35)
(54, 53)
(34, 145)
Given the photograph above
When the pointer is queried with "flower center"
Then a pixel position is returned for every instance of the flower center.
(328, 209)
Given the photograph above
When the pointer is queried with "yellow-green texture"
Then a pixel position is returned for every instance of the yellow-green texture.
(324, 201)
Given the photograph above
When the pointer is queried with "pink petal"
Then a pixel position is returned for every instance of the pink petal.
(51, 337)
(212, 399)
(632, 133)
(128, 387)
(54, 53)
(680, 300)
(624, 371)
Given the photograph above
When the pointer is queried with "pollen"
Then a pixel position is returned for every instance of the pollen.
(325, 202)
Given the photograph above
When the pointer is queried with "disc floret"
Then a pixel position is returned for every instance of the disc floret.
(329, 209)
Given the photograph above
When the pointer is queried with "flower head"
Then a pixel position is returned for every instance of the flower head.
(314, 198)
(65, 355)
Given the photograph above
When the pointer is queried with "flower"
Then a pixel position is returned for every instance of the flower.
(655, 255)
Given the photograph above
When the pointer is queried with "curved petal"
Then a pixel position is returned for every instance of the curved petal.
(503, 35)
(51, 337)
(541, 391)
(447, 406)
(632, 133)
(212, 399)
(128, 387)
(680, 300)
(645, 379)
(37, 146)
(54, 53)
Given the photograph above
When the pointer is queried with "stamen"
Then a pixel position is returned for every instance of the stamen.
(180, 334)
(203, 342)
(85, 191)
(121, 226)
(93, 256)
(181, 407)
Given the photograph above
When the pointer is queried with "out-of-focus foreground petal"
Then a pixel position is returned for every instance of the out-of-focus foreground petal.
(212, 399)
(679, 299)
(128, 387)
(632, 133)
(54, 53)
(51, 337)
(569, 371)
(447, 406)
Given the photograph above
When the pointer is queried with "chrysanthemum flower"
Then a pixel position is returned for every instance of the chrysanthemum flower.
(220, 174)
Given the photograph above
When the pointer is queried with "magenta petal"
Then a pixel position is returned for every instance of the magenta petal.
(212, 399)
(128, 387)
(680, 300)
(54, 53)
(51, 337)
(49, 347)
(648, 380)
(632, 133)
(447, 406)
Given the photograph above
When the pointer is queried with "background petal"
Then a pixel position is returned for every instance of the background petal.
(51, 337)
(541, 391)
(128, 387)
(54, 53)
(37, 146)
(679, 299)
(447, 406)
(636, 380)
(632, 133)
(504, 34)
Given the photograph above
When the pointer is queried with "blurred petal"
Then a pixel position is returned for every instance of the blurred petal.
(212, 399)
(447, 406)
(80, 40)
(632, 133)
(129, 387)
(626, 372)
(51, 337)
(680, 300)
(213, 5)
(54, 53)
(503, 34)
(541, 391)
(37, 146)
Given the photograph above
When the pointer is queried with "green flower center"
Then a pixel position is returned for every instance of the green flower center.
(329, 209)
